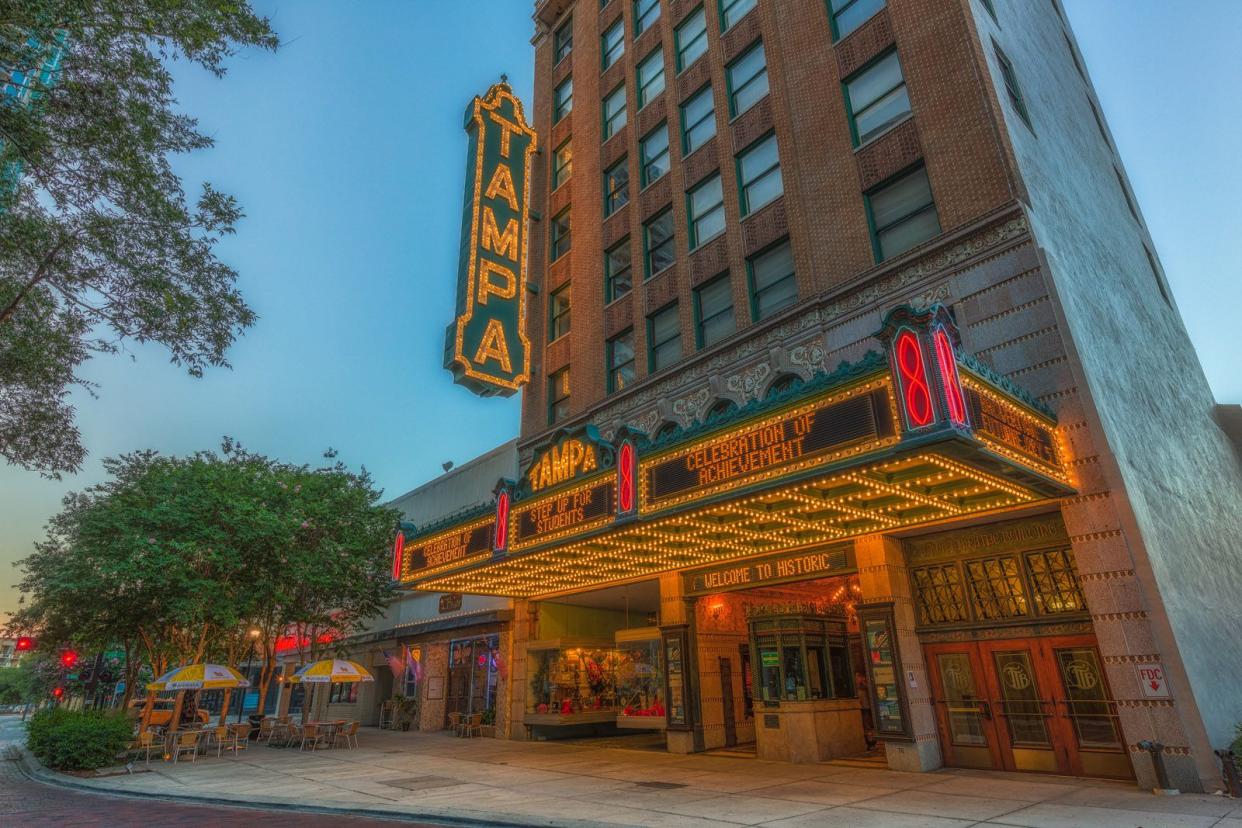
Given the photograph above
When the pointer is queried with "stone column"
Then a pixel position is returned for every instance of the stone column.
(883, 577)
(523, 628)
(675, 610)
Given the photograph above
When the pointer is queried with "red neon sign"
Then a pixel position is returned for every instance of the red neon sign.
(913, 375)
(948, 376)
(625, 477)
(398, 554)
(502, 521)
(24, 644)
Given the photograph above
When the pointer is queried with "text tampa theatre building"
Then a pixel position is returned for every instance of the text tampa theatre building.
(875, 419)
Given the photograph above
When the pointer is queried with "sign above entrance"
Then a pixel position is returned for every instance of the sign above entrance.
(568, 456)
(486, 347)
(774, 569)
(447, 549)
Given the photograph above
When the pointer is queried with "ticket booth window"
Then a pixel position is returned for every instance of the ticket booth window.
(800, 658)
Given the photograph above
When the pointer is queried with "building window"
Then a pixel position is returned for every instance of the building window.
(782, 384)
(876, 98)
(663, 338)
(1054, 579)
(562, 165)
(563, 41)
(616, 187)
(719, 410)
(1099, 122)
(558, 313)
(732, 11)
(713, 311)
(558, 396)
(991, 10)
(612, 43)
(559, 245)
(1012, 88)
(1125, 192)
(691, 37)
(698, 120)
(759, 174)
(1156, 274)
(939, 595)
(902, 214)
(996, 589)
(563, 100)
(1074, 55)
(618, 274)
(343, 693)
(772, 282)
(650, 77)
(658, 245)
(666, 430)
(706, 208)
(646, 12)
(620, 361)
(614, 111)
(848, 15)
(748, 80)
(653, 154)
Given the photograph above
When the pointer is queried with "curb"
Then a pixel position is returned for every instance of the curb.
(31, 768)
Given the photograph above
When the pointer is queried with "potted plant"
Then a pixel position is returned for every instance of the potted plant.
(407, 709)
(488, 723)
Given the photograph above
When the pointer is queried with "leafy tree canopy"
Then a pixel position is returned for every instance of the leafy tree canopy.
(98, 244)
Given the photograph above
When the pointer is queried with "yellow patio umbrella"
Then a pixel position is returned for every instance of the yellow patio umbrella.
(329, 671)
(193, 677)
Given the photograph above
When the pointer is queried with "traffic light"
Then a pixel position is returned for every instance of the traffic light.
(24, 644)
(68, 658)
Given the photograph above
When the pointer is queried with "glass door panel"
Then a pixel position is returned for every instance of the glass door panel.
(963, 705)
(968, 733)
(1091, 713)
(1025, 712)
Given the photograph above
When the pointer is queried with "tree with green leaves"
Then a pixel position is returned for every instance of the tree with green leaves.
(98, 244)
(177, 559)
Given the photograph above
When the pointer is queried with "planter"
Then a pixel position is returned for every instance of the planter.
(488, 730)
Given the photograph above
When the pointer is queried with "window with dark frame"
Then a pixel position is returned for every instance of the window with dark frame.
(1054, 581)
(558, 396)
(939, 595)
(773, 285)
(848, 15)
(646, 12)
(620, 360)
(996, 588)
(663, 338)
(698, 120)
(614, 112)
(732, 11)
(563, 99)
(616, 187)
(713, 310)
(559, 235)
(1012, 88)
(659, 250)
(618, 270)
(1099, 122)
(650, 77)
(653, 154)
(759, 174)
(1125, 192)
(563, 41)
(691, 38)
(558, 313)
(902, 213)
(612, 44)
(747, 78)
(876, 98)
(991, 10)
(1158, 276)
(705, 206)
(562, 164)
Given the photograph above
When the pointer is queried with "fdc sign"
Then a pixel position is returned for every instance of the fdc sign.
(486, 347)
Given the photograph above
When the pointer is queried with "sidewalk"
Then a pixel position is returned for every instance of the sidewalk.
(495, 782)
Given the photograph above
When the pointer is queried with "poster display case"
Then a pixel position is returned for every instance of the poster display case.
(640, 680)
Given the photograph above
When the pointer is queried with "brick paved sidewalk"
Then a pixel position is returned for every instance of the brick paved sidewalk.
(433, 775)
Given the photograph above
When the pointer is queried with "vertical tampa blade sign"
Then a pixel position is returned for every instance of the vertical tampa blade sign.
(487, 349)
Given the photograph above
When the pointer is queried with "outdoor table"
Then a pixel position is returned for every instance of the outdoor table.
(328, 729)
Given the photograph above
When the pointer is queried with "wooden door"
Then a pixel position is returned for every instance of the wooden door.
(969, 737)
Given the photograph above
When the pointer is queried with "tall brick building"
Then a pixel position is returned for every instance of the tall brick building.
(735, 202)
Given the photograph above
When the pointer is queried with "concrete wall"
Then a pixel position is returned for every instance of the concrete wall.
(1172, 505)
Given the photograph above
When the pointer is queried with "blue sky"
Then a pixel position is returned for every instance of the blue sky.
(347, 151)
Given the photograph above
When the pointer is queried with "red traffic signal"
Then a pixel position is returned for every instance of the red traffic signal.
(58, 692)
(24, 644)
(68, 658)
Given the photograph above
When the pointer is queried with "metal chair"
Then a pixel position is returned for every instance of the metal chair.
(473, 726)
(348, 732)
(312, 734)
(187, 742)
(146, 742)
(454, 721)
(266, 728)
(240, 737)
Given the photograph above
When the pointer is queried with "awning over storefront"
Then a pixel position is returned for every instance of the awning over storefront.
(916, 436)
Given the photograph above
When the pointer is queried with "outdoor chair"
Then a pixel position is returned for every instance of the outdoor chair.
(291, 734)
(187, 742)
(473, 725)
(146, 742)
(348, 732)
(219, 735)
(266, 728)
(240, 734)
(454, 720)
(311, 734)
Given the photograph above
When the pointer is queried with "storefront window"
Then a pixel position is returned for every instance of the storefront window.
(640, 682)
(472, 674)
(573, 680)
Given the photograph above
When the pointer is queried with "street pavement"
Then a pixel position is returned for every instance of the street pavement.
(26, 802)
(434, 777)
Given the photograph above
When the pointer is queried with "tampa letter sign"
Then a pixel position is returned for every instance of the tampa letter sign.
(486, 348)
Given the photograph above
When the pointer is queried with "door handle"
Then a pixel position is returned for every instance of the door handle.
(986, 708)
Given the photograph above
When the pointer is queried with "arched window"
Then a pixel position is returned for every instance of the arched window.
(720, 408)
(782, 384)
(664, 430)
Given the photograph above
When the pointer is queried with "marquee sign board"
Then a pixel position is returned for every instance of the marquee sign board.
(486, 347)
(447, 548)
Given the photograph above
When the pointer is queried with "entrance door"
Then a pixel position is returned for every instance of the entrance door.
(726, 695)
(1039, 704)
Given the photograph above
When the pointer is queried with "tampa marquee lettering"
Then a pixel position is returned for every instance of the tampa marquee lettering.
(751, 451)
(562, 463)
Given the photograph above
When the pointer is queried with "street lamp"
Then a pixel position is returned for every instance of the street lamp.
(254, 637)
